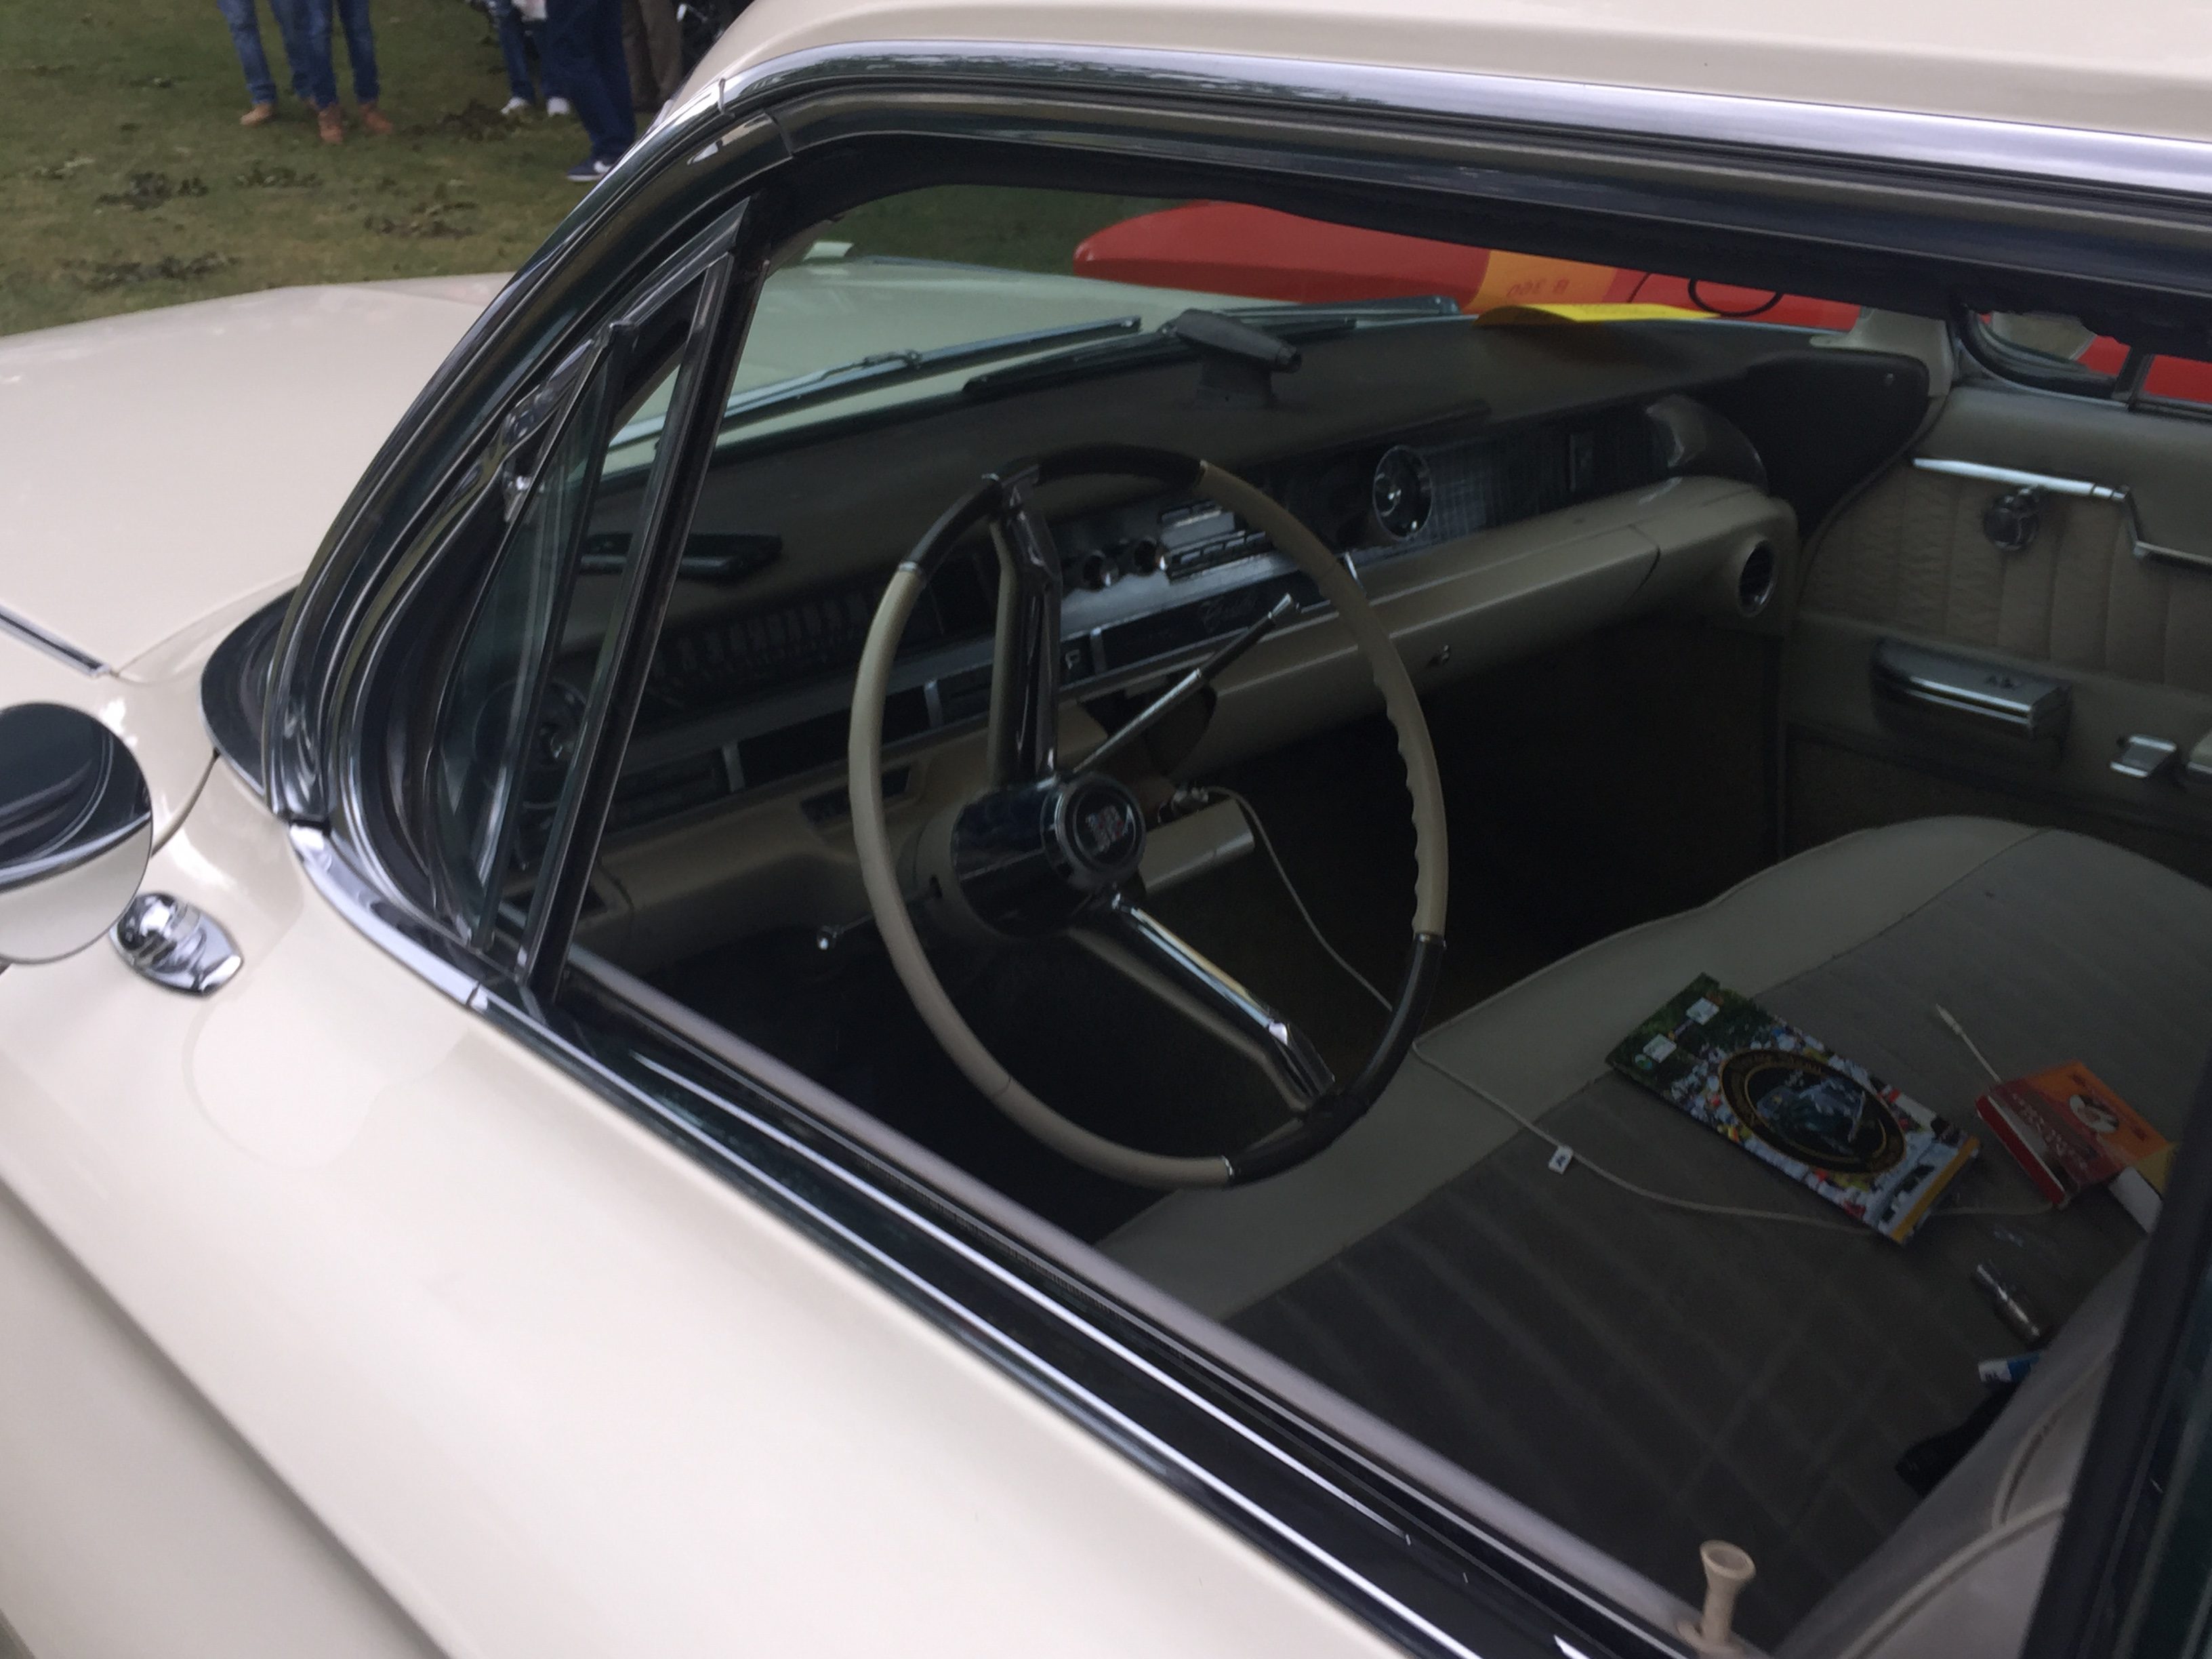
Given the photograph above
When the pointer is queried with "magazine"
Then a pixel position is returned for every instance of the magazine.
(2067, 1129)
(1874, 1152)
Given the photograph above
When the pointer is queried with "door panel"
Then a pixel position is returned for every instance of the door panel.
(2131, 638)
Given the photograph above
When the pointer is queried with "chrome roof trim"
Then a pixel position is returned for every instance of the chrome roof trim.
(1953, 142)
(53, 645)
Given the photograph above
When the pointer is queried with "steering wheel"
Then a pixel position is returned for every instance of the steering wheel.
(1046, 848)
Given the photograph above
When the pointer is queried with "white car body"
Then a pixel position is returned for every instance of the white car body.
(336, 1323)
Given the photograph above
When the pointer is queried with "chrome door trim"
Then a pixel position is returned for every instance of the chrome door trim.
(1411, 1564)
(52, 644)
(2080, 488)
(2176, 558)
(1955, 142)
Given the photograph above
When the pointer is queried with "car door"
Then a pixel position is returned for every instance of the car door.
(2015, 616)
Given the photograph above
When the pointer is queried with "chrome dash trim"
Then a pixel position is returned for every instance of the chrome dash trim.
(52, 644)
(1959, 143)
(415, 943)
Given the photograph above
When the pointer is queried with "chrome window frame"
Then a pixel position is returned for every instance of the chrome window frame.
(1375, 1539)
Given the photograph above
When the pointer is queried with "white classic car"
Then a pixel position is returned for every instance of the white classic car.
(750, 950)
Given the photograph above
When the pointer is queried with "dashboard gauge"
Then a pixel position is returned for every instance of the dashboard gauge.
(1402, 493)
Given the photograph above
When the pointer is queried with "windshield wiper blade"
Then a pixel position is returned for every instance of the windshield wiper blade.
(887, 368)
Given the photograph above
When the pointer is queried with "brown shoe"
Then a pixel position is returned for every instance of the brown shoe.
(372, 120)
(330, 125)
(259, 116)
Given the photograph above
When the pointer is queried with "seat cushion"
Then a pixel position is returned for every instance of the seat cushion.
(1647, 1377)
(1866, 932)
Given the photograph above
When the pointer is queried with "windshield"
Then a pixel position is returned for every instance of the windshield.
(917, 296)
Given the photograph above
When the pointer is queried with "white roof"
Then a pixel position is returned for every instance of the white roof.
(2144, 68)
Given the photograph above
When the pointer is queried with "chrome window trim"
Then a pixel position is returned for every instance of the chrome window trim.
(1361, 1532)
(1952, 142)
(392, 927)
(52, 644)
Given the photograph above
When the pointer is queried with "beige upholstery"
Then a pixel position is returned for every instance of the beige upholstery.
(1223, 1251)
(1910, 554)
(1959, 1577)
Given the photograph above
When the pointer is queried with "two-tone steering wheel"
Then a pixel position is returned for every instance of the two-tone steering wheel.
(1048, 848)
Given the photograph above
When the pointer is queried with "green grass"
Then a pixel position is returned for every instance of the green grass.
(126, 182)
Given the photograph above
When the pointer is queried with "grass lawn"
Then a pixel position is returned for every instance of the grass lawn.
(126, 182)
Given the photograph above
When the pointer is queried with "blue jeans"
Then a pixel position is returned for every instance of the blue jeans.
(582, 45)
(246, 36)
(361, 47)
(512, 50)
(315, 27)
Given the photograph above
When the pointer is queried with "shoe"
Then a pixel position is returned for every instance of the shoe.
(330, 125)
(514, 106)
(259, 116)
(374, 121)
(590, 172)
(556, 106)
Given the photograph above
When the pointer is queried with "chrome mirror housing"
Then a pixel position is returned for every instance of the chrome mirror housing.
(76, 831)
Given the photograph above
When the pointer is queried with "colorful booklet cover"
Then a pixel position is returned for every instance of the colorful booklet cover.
(2067, 1129)
(1872, 1152)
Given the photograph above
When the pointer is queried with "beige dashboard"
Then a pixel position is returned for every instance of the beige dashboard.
(782, 857)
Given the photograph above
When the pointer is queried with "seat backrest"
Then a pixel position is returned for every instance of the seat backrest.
(1958, 1580)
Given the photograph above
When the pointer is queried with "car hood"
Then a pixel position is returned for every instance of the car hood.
(168, 464)
(177, 466)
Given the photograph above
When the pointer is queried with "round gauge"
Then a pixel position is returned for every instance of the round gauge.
(1402, 493)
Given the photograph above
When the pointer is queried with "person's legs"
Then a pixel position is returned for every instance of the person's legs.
(569, 41)
(614, 75)
(305, 24)
(361, 48)
(289, 15)
(512, 52)
(245, 37)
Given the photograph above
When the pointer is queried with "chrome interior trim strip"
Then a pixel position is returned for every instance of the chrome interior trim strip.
(421, 948)
(2021, 149)
(31, 635)
(2178, 558)
(2079, 488)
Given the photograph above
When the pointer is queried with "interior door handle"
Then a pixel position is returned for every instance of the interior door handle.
(2177, 558)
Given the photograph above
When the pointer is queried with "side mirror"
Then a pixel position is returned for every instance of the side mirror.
(77, 830)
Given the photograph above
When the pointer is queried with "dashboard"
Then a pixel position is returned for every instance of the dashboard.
(759, 696)
(1495, 491)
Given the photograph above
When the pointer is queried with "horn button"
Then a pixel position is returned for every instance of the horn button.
(1028, 858)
